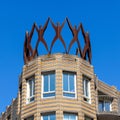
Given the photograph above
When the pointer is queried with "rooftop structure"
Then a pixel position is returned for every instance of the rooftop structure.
(61, 86)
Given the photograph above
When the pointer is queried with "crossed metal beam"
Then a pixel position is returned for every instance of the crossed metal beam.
(30, 53)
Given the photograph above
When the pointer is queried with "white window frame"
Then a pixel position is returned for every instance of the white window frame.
(86, 98)
(104, 108)
(28, 90)
(76, 116)
(68, 85)
(48, 73)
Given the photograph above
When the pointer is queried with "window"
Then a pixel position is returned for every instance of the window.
(88, 118)
(104, 105)
(86, 89)
(30, 118)
(9, 117)
(50, 116)
(69, 84)
(69, 116)
(48, 85)
(30, 89)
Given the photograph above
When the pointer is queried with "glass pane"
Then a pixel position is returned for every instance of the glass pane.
(65, 82)
(86, 86)
(45, 117)
(72, 117)
(33, 84)
(45, 83)
(107, 106)
(101, 106)
(71, 82)
(49, 94)
(69, 117)
(52, 117)
(52, 82)
(69, 94)
(66, 117)
(30, 87)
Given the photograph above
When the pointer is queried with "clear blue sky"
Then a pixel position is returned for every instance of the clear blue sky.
(101, 18)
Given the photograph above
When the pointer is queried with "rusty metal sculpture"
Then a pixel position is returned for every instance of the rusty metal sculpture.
(26, 51)
(58, 30)
(30, 53)
(41, 31)
(87, 47)
(75, 32)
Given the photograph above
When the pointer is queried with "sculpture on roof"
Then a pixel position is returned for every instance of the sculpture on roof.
(31, 53)
(87, 48)
(41, 31)
(75, 32)
(28, 51)
(58, 29)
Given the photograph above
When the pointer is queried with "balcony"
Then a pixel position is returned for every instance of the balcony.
(105, 109)
(108, 116)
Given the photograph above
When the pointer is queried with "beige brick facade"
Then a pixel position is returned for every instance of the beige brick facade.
(20, 109)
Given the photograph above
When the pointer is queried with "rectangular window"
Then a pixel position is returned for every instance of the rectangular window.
(49, 116)
(86, 89)
(88, 118)
(104, 105)
(30, 89)
(69, 84)
(9, 117)
(69, 116)
(48, 85)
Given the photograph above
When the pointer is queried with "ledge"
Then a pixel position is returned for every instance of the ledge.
(108, 116)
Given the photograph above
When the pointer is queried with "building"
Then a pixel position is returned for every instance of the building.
(74, 93)
(62, 87)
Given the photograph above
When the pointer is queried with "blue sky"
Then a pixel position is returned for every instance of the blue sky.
(100, 17)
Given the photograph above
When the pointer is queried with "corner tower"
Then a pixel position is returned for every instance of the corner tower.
(58, 86)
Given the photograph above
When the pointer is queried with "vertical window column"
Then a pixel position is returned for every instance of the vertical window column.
(48, 85)
(30, 89)
(86, 89)
(69, 84)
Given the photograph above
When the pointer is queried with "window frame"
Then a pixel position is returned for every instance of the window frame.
(48, 114)
(54, 92)
(69, 92)
(30, 97)
(104, 107)
(65, 113)
(87, 98)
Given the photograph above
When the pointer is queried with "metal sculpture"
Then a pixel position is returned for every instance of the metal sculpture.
(58, 30)
(26, 51)
(87, 47)
(75, 32)
(30, 53)
(41, 31)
